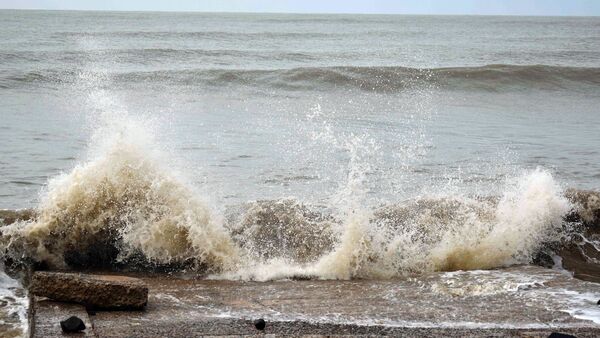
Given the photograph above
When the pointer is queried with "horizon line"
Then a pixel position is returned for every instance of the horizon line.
(298, 13)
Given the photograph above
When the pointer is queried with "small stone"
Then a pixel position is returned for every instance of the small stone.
(72, 324)
(260, 324)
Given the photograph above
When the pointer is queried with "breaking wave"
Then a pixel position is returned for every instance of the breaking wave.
(125, 206)
(123, 203)
(419, 235)
(380, 79)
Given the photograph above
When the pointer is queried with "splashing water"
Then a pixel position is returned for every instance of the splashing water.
(125, 204)
(128, 204)
(127, 195)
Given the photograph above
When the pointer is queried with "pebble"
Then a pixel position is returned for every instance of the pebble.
(259, 324)
(72, 324)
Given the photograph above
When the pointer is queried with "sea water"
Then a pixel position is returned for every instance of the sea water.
(266, 146)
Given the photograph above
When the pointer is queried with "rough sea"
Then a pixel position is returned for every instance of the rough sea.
(268, 146)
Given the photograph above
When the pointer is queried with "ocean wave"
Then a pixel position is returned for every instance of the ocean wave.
(126, 207)
(289, 239)
(491, 78)
(138, 217)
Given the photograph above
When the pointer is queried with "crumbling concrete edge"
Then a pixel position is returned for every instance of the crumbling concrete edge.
(30, 315)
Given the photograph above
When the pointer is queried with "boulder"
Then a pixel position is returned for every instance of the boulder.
(93, 291)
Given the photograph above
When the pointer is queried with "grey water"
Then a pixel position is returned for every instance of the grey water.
(256, 106)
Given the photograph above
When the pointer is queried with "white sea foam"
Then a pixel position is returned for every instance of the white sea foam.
(13, 314)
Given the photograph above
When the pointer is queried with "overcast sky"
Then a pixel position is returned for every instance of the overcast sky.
(492, 7)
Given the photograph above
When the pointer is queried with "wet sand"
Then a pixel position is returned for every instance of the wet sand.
(518, 301)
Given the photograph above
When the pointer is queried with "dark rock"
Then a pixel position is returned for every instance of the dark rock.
(560, 335)
(260, 324)
(72, 324)
(576, 255)
(598, 302)
(586, 207)
(94, 291)
(580, 256)
(544, 259)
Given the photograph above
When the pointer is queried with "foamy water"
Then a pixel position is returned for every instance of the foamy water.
(13, 307)
(125, 193)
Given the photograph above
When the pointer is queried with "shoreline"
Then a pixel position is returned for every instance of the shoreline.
(400, 307)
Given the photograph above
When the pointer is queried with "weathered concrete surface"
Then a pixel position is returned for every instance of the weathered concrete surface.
(94, 291)
(519, 302)
(47, 314)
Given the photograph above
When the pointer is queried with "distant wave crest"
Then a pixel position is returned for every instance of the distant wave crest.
(381, 79)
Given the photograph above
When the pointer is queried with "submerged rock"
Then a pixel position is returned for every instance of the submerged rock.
(579, 253)
(94, 291)
(586, 207)
(72, 324)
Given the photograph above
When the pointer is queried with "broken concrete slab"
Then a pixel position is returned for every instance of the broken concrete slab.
(93, 291)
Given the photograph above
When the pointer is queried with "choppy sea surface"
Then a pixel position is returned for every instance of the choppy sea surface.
(264, 146)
